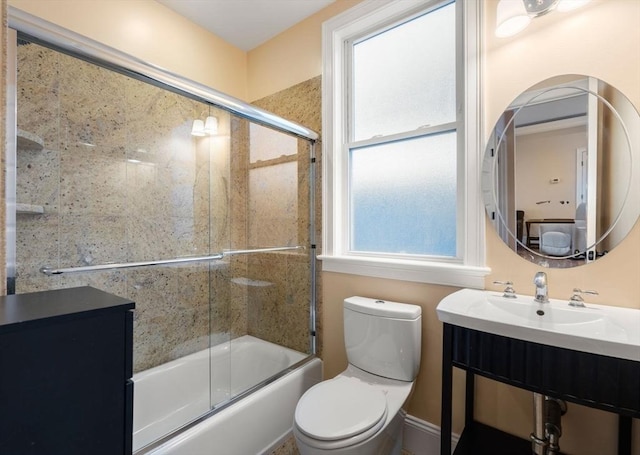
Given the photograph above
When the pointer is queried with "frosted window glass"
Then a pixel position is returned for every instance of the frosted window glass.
(403, 197)
(267, 144)
(404, 78)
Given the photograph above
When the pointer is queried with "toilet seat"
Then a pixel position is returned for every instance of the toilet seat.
(340, 412)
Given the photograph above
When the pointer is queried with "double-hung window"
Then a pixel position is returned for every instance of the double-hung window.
(400, 175)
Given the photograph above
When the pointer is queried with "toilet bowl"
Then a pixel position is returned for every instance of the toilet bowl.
(355, 413)
(359, 412)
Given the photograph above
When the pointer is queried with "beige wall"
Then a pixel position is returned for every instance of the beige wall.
(292, 57)
(587, 37)
(153, 33)
(541, 157)
(601, 40)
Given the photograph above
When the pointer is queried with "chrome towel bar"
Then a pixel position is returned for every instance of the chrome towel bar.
(125, 265)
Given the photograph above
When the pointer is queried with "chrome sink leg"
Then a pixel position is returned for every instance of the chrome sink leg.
(547, 427)
(555, 409)
(539, 442)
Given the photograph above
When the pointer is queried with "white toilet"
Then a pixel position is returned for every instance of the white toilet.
(359, 412)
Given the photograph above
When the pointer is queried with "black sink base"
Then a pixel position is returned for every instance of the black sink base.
(480, 439)
(596, 381)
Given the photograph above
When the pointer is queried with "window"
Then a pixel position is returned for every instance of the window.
(401, 149)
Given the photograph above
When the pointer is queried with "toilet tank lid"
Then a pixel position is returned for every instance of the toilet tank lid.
(383, 308)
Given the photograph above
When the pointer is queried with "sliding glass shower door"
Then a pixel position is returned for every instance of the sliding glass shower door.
(200, 216)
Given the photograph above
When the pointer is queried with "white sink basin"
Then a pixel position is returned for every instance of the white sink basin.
(599, 329)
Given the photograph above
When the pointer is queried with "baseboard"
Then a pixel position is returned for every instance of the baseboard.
(423, 438)
(419, 438)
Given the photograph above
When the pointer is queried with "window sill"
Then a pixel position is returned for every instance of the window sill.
(421, 272)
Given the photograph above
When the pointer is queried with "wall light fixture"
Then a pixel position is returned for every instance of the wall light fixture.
(203, 128)
(513, 16)
(211, 125)
(198, 128)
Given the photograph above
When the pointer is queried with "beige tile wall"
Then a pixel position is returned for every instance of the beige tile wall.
(300, 103)
(117, 178)
(270, 292)
(145, 189)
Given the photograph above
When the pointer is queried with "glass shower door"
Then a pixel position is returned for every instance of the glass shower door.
(108, 172)
(119, 187)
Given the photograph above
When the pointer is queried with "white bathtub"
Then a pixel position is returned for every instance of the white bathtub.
(171, 395)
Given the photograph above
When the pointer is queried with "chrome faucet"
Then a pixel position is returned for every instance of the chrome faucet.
(540, 280)
(576, 299)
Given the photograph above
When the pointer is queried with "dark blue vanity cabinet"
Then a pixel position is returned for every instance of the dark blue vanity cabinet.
(65, 373)
(597, 381)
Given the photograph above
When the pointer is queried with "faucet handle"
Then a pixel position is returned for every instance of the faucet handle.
(509, 292)
(576, 299)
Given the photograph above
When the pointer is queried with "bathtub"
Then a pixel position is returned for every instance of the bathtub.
(172, 395)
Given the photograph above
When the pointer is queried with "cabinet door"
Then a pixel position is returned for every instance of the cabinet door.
(62, 387)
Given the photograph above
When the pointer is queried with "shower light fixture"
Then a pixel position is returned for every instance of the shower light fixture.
(513, 16)
(198, 128)
(209, 127)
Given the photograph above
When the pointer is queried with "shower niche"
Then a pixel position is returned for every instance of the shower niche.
(28, 143)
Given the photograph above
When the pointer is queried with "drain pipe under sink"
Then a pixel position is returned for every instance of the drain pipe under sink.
(547, 427)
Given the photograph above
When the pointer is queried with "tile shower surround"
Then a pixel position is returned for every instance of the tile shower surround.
(99, 207)
(302, 103)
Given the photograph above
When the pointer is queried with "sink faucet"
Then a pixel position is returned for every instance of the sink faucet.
(540, 280)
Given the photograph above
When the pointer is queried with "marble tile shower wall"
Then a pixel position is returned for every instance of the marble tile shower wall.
(269, 293)
(300, 103)
(121, 179)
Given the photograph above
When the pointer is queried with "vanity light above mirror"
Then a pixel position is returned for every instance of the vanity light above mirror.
(561, 173)
(513, 16)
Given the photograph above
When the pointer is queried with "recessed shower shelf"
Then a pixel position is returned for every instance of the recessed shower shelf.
(29, 209)
(29, 141)
(242, 281)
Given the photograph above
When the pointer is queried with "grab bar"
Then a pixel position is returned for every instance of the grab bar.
(125, 265)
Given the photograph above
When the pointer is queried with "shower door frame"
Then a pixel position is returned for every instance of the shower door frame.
(83, 47)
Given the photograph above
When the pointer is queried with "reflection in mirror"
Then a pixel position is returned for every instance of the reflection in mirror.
(561, 171)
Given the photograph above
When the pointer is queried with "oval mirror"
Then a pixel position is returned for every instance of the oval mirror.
(561, 171)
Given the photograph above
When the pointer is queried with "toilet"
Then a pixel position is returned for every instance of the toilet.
(359, 412)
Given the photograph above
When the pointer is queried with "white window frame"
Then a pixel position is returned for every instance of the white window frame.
(468, 268)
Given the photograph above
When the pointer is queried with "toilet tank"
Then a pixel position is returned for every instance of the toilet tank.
(382, 337)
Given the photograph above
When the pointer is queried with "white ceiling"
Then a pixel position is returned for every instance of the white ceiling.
(246, 23)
